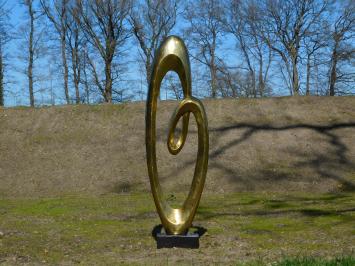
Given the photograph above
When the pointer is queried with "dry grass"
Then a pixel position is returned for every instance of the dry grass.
(298, 143)
(280, 184)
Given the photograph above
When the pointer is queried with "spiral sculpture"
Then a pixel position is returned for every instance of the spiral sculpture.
(172, 55)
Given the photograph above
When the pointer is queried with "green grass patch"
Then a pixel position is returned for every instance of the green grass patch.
(309, 261)
(246, 228)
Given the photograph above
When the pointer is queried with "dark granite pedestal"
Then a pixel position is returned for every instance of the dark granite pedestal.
(189, 240)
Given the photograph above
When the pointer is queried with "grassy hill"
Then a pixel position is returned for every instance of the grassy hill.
(295, 143)
(279, 191)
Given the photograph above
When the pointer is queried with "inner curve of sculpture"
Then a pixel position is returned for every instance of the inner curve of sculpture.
(172, 55)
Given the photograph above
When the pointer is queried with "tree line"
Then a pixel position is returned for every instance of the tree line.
(240, 48)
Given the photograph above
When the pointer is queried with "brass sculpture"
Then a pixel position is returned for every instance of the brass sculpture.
(173, 55)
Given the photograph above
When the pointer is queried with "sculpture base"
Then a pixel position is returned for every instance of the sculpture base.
(189, 240)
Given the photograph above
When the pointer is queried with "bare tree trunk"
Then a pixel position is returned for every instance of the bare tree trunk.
(58, 16)
(295, 80)
(261, 79)
(30, 54)
(308, 75)
(333, 71)
(76, 72)
(253, 83)
(175, 89)
(213, 81)
(74, 40)
(1, 80)
(108, 82)
(1, 77)
(86, 82)
(63, 25)
(5, 37)
(288, 23)
(110, 51)
(65, 67)
(76, 85)
(103, 23)
(213, 68)
(77, 94)
(243, 46)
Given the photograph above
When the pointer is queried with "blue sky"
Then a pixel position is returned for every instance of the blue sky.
(18, 79)
(18, 91)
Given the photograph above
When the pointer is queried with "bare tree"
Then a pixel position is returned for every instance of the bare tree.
(31, 48)
(314, 41)
(2, 71)
(31, 33)
(203, 32)
(152, 21)
(57, 13)
(31, 13)
(104, 24)
(74, 40)
(84, 58)
(174, 86)
(241, 20)
(342, 46)
(5, 37)
(229, 82)
(283, 27)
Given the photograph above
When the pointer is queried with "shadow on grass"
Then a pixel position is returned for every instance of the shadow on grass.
(280, 208)
(305, 212)
(325, 165)
(320, 163)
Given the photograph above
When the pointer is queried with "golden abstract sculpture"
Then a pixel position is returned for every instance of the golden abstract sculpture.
(173, 55)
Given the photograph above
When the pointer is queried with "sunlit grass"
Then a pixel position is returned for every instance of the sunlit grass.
(242, 227)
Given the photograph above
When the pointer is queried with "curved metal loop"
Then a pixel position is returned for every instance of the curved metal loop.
(175, 147)
(173, 55)
(187, 106)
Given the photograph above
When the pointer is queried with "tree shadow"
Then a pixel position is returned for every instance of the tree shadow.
(320, 163)
(281, 207)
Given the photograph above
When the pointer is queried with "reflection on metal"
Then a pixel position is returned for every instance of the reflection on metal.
(173, 56)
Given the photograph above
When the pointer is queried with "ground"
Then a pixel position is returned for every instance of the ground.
(280, 184)
(241, 228)
(300, 143)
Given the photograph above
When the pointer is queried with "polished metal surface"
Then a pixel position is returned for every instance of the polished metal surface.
(172, 55)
